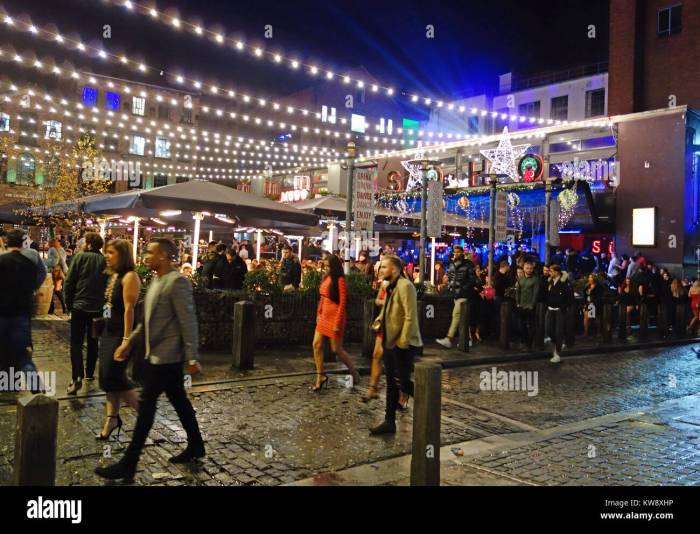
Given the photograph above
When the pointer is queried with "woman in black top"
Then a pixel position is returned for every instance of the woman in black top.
(123, 288)
(629, 297)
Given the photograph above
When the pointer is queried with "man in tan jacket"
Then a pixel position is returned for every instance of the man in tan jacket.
(400, 337)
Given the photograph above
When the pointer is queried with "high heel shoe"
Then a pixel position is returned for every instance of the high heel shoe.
(371, 394)
(321, 385)
(118, 428)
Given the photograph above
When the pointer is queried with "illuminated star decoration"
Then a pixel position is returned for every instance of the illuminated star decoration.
(504, 156)
(415, 173)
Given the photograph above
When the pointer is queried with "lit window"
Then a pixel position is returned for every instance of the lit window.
(138, 105)
(112, 101)
(160, 180)
(89, 96)
(4, 122)
(52, 130)
(137, 145)
(162, 147)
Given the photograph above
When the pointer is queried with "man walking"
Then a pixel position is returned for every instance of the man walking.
(400, 337)
(169, 331)
(527, 291)
(22, 276)
(461, 282)
(559, 298)
(84, 293)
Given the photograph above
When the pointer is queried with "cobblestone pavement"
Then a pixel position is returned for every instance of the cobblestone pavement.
(584, 426)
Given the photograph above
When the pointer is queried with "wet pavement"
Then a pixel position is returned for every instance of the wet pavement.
(620, 418)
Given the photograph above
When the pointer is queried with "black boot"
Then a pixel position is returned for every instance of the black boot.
(387, 427)
(188, 455)
(116, 471)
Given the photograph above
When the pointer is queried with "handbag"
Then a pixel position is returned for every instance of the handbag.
(377, 324)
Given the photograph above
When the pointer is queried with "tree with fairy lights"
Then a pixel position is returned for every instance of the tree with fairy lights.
(68, 176)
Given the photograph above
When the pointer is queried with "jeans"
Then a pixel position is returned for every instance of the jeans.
(526, 325)
(16, 335)
(456, 315)
(62, 300)
(397, 365)
(80, 326)
(168, 378)
(554, 325)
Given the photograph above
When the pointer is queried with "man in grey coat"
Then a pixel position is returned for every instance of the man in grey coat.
(527, 289)
(169, 331)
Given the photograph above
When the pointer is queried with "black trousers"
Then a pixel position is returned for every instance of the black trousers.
(554, 326)
(526, 320)
(168, 378)
(80, 327)
(397, 365)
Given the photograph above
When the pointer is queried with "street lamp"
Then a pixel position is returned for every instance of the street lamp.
(424, 164)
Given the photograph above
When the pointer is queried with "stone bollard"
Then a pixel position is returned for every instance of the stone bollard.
(35, 441)
(622, 322)
(425, 454)
(368, 335)
(243, 335)
(506, 314)
(606, 323)
(464, 319)
(643, 321)
(540, 312)
(662, 320)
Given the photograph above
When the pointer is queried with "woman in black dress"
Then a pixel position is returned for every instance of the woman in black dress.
(629, 297)
(122, 292)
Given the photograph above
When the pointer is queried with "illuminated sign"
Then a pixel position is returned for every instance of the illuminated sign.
(328, 114)
(302, 187)
(357, 123)
(644, 227)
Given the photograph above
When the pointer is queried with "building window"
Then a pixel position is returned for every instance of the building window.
(181, 179)
(138, 105)
(160, 180)
(52, 130)
(186, 117)
(89, 96)
(28, 128)
(530, 109)
(4, 122)
(137, 145)
(164, 112)
(162, 147)
(669, 21)
(595, 103)
(26, 169)
(112, 101)
(560, 108)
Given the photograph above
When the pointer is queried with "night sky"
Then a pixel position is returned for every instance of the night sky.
(474, 41)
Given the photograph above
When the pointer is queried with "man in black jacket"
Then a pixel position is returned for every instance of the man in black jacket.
(463, 284)
(559, 298)
(84, 293)
(236, 270)
(290, 269)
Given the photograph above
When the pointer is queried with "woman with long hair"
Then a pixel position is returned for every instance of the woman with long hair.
(121, 295)
(629, 297)
(330, 320)
(694, 295)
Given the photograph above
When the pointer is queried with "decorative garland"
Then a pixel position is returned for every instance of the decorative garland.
(568, 200)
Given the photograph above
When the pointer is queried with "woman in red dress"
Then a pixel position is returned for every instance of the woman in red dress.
(330, 320)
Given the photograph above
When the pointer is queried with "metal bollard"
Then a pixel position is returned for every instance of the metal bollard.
(540, 312)
(643, 321)
(506, 314)
(464, 319)
(368, 335)
(243, 335)
(622, 323)
(35, 441)
(425, 453)
(606, 323)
